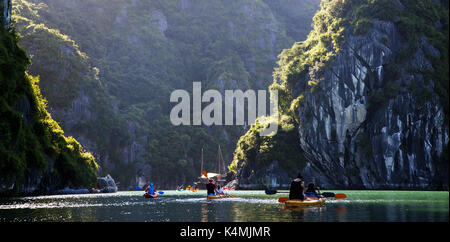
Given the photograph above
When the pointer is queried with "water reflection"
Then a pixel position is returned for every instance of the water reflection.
(204, 212)
(302, 214)
(341, 213)
(209, 212)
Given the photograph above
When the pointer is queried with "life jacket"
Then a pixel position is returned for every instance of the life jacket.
(296, 190)
(150, 189)
(210, 188)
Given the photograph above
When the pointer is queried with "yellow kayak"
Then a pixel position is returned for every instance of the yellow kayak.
(219, 196)
(304, 203)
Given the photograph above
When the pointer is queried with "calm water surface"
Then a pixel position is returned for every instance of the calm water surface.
(254, 206)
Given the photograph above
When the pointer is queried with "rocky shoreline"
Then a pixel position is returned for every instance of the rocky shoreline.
(104, 185)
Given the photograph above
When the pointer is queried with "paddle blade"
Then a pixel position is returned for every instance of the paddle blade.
(340, 196)
(328, 194)
(160, 192)
(283, 199)
(271, 192)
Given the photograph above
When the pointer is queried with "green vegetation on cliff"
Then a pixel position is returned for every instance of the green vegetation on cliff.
(263, 150)
(29, 138)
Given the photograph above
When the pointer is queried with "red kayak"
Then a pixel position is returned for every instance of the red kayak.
(146, 195)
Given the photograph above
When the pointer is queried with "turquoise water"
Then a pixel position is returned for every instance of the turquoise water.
(252, 206)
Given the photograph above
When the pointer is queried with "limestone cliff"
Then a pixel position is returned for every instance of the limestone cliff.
(351, 141)
(35, 155)
(368, 96)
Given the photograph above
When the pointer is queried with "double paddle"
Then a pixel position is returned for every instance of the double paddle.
(325, 194)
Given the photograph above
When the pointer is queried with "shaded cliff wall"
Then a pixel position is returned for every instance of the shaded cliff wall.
(355, 141)
(5, 8)
(368, 93)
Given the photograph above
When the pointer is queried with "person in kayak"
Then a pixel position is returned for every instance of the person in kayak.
(211, 188)
(312, 191)
(297, 188)
(151, 190)
(219, 190)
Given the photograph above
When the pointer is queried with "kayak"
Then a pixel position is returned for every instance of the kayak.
(146, 195)
(304, 203)
(219, 196)
(215, 196)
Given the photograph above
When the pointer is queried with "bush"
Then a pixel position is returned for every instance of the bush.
(263, 150)
(362, 26)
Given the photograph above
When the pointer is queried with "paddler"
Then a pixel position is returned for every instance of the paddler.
(297, 188)
(211, 187)
(219, 190)
(312, 191)
(150, 189)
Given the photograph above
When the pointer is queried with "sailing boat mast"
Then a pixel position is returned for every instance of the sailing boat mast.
(221, 163)
(201, 167)
(218, 162)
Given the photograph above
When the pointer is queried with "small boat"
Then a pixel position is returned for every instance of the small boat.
(219, 196)
(305, 203)
(146, 195)
(219, 176)
(215, 196)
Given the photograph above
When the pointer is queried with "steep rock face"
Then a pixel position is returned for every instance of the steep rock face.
(5, 8)
(367, 94)
(78, 112)
(391, 144)
(272, 175)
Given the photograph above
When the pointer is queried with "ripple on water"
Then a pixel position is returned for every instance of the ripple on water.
(224, 200)
(59, 204)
